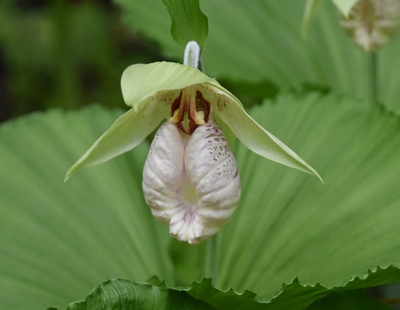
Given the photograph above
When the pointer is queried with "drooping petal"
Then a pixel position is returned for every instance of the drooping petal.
(249, 132)
(127, 131)
(141, 81)
(191, 182)
(149, 89)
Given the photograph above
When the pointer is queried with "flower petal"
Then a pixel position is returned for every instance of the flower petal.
(141, 81)
(127, 131)
(249, 132)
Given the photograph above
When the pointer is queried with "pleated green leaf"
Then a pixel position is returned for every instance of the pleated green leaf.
(293, 295)
(123, 294)
(59, 240)
(287, 225)
(188, 21)
(126, 295)
(261, 41)
(290, 242)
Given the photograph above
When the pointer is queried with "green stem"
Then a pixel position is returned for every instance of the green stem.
(212, 257)
(373, 76)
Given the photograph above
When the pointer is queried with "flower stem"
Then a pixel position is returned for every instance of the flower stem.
(212, 257)
(373, 76)
(192, 56)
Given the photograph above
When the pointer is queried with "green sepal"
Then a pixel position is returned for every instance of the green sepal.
(141, 81)
(129, 130)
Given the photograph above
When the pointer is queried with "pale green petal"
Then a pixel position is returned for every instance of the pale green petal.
(126, 132)
(141, 81)
(252, 135)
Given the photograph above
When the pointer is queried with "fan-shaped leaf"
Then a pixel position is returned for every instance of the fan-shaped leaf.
(126, 295)
(58, 240)
(290, 241)
(289, 225)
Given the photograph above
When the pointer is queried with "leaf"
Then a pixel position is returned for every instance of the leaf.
(348, 300)
(309, 12)
(293, 295)
(345, 5)
(290, 225)
(123, 294)
(314, 238)
(332, 236)
(59, 240)
(126, 295)
(276, 51)
(188, 21)
(291, 241)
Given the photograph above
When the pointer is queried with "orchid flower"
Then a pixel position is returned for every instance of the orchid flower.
(190, 178)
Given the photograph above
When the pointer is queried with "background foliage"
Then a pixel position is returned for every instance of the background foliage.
(65, 54)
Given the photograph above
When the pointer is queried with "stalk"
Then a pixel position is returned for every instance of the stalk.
(373, 76)
(212, 257)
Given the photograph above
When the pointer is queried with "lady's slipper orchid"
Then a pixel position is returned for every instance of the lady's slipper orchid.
(190, 179)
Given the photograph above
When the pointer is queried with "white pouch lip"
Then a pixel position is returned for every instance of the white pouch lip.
(191, 182)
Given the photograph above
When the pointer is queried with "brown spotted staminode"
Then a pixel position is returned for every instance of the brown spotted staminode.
(190, 110)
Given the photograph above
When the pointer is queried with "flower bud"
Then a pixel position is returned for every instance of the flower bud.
(191, 181)
(371, 23)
